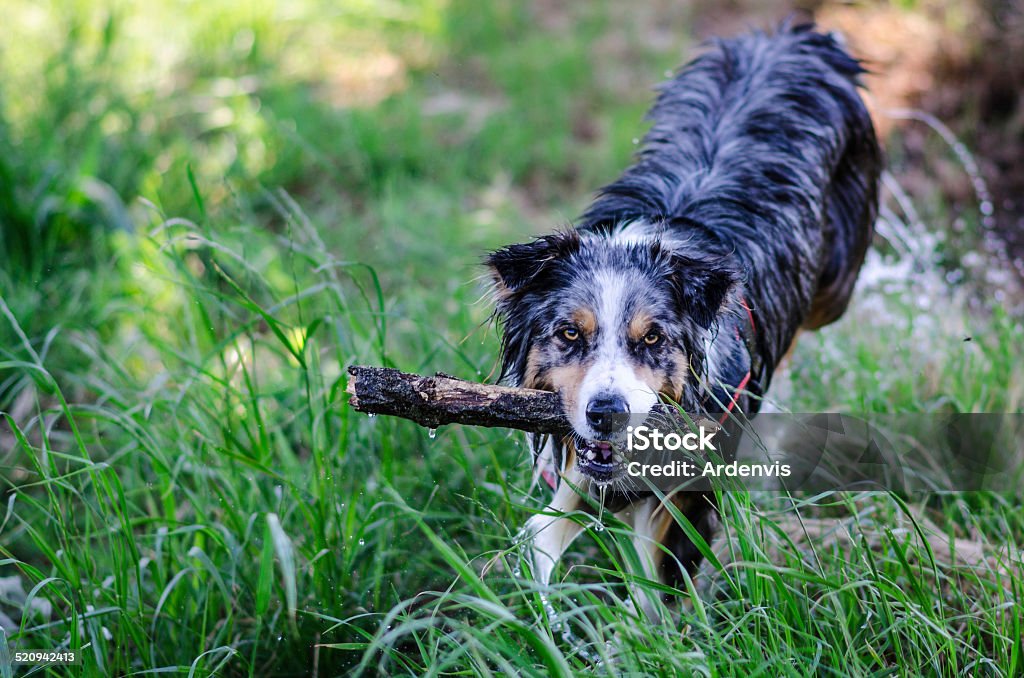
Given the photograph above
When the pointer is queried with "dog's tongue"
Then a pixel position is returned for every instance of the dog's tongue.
(604, 451)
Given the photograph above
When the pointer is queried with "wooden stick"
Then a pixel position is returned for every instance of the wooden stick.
(443, 399)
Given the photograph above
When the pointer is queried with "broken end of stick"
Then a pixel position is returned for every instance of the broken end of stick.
(350, 388)
(443, 399)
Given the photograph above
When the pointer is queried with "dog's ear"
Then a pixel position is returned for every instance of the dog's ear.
(517, 268)
(700, 286)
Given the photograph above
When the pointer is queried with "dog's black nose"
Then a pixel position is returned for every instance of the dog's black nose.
(608, 413)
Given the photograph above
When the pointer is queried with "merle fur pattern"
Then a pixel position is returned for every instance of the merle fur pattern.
(757, 183)
(765, 144)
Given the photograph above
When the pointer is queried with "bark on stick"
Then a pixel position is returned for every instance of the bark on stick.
(443, 399)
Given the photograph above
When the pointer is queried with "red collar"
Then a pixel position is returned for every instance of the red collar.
(748, 339)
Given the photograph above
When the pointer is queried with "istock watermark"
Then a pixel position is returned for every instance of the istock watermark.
(818, 452)
(652, 439)
(643, 438)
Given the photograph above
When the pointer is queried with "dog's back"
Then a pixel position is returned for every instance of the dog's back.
(765, 143)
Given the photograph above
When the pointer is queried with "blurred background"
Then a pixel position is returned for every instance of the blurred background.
(418, 134)
(208, 209)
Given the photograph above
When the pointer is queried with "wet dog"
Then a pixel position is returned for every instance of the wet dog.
(744, 218)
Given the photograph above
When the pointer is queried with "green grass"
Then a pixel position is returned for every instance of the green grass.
(207, 215)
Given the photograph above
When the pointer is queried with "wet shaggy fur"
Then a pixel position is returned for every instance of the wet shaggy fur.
(756, 187)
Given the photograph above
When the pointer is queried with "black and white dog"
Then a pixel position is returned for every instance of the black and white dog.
(745, 218)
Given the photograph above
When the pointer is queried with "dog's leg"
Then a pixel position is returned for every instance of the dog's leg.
(650, 522)
(549, 535)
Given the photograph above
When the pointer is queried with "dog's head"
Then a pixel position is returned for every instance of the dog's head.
(610, 323)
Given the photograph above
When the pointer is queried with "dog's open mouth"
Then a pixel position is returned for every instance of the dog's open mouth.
(599, 459)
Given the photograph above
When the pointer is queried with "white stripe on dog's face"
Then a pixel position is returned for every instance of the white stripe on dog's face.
(611, 373)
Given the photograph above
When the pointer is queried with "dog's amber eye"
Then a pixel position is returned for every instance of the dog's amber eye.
(652, 338)
(571, 334)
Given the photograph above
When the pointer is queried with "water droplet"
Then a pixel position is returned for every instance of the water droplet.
(517, 572)
(635, 141)
(597, 527)
(371, 415)
(432, 433)
(362, 542)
